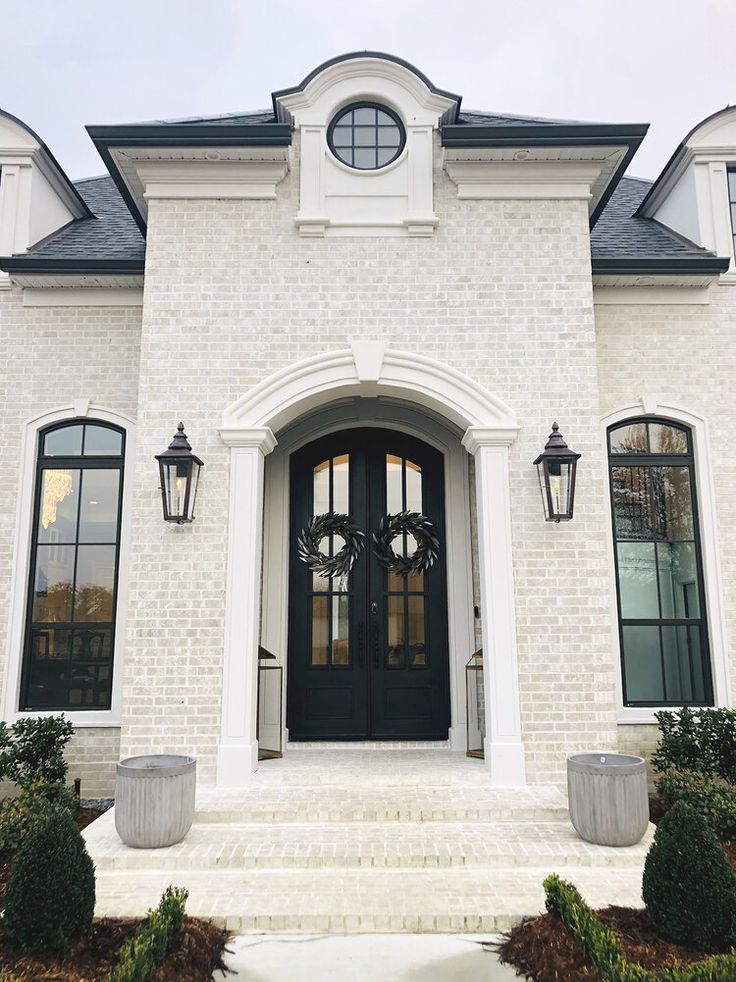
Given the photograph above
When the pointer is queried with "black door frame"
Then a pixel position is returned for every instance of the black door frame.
(368, 635)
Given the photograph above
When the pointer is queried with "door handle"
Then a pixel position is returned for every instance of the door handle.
(375, 638)
(361, 646)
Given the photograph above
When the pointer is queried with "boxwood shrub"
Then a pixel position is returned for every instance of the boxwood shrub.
(689, 889)
(149, 946)
(713, 799)
(50, 896)
(601, 945)
(697, 740)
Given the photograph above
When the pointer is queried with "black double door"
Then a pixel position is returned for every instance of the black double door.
(368, 654)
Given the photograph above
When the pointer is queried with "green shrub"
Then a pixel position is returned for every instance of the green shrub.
(713, 799)
(50, 897)
(17, 815)
(698, 740)
(33, 749)
(601, 945)
(149, 946)
(689, 889)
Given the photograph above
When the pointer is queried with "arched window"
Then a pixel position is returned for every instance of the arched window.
(70, 620)
(659, 574)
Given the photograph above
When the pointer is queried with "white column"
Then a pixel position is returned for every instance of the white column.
(504, 750)
(237, 752)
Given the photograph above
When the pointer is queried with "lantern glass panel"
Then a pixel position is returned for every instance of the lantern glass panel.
(475, 713)
(270, 701)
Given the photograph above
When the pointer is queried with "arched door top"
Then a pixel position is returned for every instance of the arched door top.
(367, 368)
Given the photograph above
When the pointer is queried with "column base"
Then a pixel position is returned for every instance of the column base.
(505, 763)
(236, 764)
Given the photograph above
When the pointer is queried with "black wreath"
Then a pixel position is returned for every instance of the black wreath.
(320, 526)
(411, 522)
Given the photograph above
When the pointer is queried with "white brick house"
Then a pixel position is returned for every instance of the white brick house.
(366, 300)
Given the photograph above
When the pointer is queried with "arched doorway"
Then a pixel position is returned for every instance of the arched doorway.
(368, 647)
(367, 369)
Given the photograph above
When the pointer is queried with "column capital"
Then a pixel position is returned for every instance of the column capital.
(260, 437)
(486, 436)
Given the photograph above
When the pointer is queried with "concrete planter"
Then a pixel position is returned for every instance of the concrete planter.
(608, 798)
(154, 799)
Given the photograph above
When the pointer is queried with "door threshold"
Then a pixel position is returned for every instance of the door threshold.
(368, 745)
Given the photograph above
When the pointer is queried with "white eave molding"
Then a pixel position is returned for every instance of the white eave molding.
(523, 173)
(233, 173)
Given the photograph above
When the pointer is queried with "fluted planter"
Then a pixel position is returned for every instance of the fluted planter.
(154, 799)
(608, 798)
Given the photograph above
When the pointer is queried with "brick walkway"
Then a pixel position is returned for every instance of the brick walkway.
(352, 840)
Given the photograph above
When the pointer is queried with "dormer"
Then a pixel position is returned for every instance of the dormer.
(36, 196)
(695, 195)
(366, 124)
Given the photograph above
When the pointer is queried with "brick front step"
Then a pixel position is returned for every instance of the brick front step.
(409, 845)
(341, 901)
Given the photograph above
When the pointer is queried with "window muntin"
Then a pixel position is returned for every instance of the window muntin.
(70, 622)
(732, 204)
(662, 623)
(366, 136)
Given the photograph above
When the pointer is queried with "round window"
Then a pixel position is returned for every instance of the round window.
(366, 136)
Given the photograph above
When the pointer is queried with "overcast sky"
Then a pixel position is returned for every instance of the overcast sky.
(66, 63)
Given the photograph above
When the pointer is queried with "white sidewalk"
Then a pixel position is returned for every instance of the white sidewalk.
(365, 958)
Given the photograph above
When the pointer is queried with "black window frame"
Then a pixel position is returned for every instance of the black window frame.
(731, 189)
(79, 462)
(366, 105)
(649, 459)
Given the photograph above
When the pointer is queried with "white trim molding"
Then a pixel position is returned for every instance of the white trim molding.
(338, 200)
(652, 405)
(369, 369)
(81, 408)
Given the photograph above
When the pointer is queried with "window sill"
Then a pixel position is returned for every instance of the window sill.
(79, 720)
(633, 715)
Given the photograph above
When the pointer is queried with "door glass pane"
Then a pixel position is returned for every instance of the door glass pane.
(667, 439)
(341, 484)
(637, 579)
(643, 664)
(320, 624)
(52, 594)
(340, 630)
(417, 648)
(394, 494)
(413, 486)
(322, 488)
(630, 438)
(65, 442)
(674, 503)
(93, 595)
(57, 519)
(632, 502)
(395, 655)
(98, 511)
(678, 580)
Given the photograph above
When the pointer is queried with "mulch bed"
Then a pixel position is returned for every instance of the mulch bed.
(195, 954)
(543, 950)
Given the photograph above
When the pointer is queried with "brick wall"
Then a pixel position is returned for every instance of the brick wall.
(685, 356)
(501, 292)
(51, 356)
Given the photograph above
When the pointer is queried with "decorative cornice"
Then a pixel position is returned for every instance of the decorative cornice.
(211, 178)
(523, 179)
(260, 437)
(481, 436)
